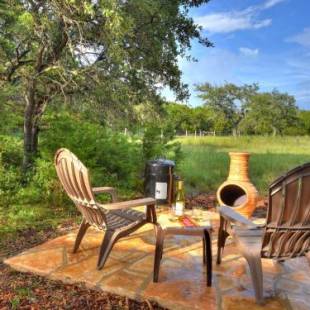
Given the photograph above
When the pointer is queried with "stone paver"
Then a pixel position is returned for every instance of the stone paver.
(182, 280)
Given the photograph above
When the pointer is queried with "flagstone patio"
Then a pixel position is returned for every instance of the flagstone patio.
(182, 280)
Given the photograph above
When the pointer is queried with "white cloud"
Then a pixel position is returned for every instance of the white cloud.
(230, 21)
(262, 23)
(270, 3)
(225, 22)
(302, 38)
(249, 51)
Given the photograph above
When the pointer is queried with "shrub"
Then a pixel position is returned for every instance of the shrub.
(156, 143)
(10, 174)
(112, 158)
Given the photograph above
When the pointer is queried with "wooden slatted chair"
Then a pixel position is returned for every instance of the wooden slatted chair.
(286, 233)
(116, 218)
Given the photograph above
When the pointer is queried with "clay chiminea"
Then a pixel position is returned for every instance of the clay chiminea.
(237, 191)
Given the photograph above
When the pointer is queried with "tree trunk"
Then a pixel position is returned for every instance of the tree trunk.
(30, 127)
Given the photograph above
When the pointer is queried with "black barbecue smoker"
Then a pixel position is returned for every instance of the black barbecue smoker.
(158, 180)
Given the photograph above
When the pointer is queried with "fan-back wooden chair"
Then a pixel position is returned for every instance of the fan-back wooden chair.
(116, 218)
(286, 233)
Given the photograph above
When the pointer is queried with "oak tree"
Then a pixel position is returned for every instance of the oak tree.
(120, 51)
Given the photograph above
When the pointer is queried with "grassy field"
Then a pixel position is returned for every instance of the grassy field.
(205, 163)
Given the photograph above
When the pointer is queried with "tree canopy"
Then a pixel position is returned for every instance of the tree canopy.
(109, 52)
(268, 113)
(249, 111)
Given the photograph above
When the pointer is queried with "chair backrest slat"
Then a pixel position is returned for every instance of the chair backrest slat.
(74, 177)
(297, 204)
(62, 176)
(74, 181)
(66, 173)
(85, 186)
(305, 200)
(287, 230)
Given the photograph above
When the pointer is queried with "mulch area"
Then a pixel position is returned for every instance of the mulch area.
(209, 202)
(27, 291)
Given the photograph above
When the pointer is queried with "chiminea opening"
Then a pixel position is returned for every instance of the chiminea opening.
(233, 195)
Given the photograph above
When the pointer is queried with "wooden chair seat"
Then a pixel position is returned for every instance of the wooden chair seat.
(249, 240)
(116, 219)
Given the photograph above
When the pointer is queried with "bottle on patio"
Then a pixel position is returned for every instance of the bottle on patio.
(179, 203)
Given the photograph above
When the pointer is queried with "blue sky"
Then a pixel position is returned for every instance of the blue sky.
(264, 41)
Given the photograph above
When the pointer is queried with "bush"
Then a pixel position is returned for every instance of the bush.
(10, 174)
(156, 143)
(112, 159)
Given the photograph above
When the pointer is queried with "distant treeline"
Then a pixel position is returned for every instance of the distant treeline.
(232, 109)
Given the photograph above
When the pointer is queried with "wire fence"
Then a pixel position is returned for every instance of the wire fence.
(186, 133)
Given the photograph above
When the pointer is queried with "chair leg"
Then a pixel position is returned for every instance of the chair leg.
(109, 239)
(255, 265)
(222, 236)
(83, 228)
(158, 251)
(204, 251)
(208, 256)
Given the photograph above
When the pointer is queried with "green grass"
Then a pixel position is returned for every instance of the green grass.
(206, 161)
(38, 217)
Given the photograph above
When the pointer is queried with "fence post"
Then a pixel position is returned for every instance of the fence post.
(195, 133)
(186, 132)
(125, 131)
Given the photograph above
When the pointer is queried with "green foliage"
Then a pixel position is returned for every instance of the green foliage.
(15, 303)
(156, 143)
(182, 117)
(11, 115)
(243, 109)
(42, 186)
(112, 158)
(10, 174)
(10, 151)
(227, 100)
(270, 113)
(19, 217)
(304, 117)
(178, 115)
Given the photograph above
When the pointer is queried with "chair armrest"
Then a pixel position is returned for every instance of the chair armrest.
(232, 216)
(108, 190)
(128, 204)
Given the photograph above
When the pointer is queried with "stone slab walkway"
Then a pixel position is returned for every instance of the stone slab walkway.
(182, 281)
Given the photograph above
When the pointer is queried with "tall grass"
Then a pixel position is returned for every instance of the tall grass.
(206, 160)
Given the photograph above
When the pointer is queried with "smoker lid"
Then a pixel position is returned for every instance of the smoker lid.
(161, 162)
